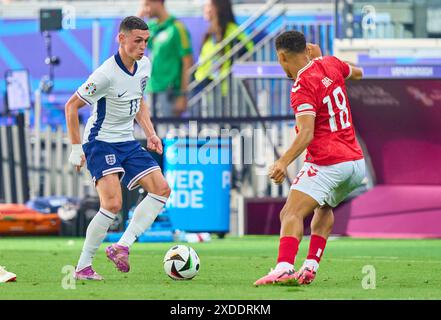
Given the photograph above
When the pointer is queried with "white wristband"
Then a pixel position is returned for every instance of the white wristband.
(77, 148)
(75, 157)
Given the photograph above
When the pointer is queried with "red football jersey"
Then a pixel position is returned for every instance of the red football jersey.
(320, 91)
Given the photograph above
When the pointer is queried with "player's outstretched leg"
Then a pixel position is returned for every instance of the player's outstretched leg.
(321, 228)
(95, 234)
(298, 206)
(109, 190)
(143, 217)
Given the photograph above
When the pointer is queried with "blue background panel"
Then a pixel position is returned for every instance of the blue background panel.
(199, 175)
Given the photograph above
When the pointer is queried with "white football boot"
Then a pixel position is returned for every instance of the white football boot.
(6, 276)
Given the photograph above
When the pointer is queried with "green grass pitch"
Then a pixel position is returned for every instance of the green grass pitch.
(404, 269)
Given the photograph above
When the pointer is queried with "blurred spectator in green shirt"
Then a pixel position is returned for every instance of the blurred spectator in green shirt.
(171, 55)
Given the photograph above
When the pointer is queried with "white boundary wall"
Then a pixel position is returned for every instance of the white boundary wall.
(348, 49)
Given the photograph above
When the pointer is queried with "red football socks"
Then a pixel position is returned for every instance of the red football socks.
(288, 248)
(317, 245)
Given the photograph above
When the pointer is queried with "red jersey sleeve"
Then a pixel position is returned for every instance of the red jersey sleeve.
(344, 68)
(302, 100)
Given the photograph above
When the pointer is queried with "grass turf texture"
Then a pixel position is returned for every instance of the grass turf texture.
(405, 269)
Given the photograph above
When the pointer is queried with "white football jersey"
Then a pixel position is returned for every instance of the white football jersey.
(116, 95)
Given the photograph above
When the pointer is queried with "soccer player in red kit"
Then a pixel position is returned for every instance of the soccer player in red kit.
(334, 164)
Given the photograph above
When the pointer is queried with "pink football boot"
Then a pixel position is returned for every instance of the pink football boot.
(276, 276)
(87, 274)
(119, 255)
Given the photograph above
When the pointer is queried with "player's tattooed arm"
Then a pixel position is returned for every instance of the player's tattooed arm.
(143, 119)
(305, 125)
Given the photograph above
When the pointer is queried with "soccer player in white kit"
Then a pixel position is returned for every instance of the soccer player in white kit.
(112, 154)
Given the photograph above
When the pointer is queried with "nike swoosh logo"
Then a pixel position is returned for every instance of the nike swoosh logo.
(120, 95)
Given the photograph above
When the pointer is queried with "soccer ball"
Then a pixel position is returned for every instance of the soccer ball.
(181, 263)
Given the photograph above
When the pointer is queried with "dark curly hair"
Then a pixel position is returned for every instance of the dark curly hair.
(291, 41)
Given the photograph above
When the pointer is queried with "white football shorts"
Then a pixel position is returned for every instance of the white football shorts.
(330, 185)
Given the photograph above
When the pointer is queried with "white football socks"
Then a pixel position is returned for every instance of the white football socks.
(143, 217)
(95, 234)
